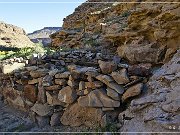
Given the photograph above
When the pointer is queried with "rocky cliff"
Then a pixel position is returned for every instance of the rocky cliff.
(13, 36)
(42, 36)
(113, 81)
(139, 32)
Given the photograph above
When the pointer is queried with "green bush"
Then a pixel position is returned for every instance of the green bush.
(26, 52)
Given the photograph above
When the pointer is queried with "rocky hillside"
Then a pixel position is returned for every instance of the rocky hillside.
(118, 70)
(138, 32)
(13, 36)
(42, 35)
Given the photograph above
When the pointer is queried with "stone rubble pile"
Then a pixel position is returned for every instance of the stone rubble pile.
(79, 87)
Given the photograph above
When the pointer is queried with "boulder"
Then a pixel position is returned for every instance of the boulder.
(67, 95)
(76, 115)
(141, 53)
(97, 98)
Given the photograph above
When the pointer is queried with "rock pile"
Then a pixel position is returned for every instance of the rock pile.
(79, 87)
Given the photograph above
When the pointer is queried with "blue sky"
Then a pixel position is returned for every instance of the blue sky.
(34, 16)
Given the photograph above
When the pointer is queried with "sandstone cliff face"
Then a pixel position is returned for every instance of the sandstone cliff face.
(13, 36)
(42, 36)
(139, 32)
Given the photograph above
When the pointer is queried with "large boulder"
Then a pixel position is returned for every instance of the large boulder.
(141, 53)
(76, 115)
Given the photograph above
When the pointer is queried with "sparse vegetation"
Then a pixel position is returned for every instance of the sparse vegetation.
(25, 52)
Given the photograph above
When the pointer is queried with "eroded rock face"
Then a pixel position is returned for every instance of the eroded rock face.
(75, 115)
(13, 36)
(142, 32)
(159, 108)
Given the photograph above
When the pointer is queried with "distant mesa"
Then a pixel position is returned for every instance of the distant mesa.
(13, 37)
(42, 35)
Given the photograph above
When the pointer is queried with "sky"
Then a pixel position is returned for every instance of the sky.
(34, 16)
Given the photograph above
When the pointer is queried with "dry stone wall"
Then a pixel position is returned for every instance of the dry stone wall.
(78, 87)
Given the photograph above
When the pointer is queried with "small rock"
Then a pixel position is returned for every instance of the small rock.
(30, 93)
(47, 80)
(81, 85)
(52, 99)
(42, 109)
(104, 78)
(107, 67)
(41, 94)
(38, 73)
(97, 98)
(53, 88)
(67, 95)
(120, 77)
(132, 91)
(140, 69)
(61, 82)
(118, 88)
(113, 94)
(73, 83)
(34, 81)
(64, 75)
